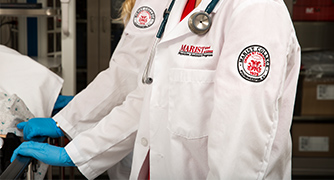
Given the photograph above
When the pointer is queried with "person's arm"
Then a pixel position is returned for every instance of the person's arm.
(110, 87)
(96, 149)
(87, 108)
(99, 148)
(251, 118)
(107, 91)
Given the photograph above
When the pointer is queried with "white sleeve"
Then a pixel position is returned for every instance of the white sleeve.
(111, 86)
(87, 108)
(99, 148)
(247, 115)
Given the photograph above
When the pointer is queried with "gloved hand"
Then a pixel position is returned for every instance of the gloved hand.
(52, 155)
(35, 128)
(61, 102)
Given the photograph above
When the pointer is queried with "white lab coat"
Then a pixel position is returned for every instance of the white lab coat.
(110, 88)
(201, 118)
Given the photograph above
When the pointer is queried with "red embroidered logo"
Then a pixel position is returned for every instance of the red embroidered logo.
(144, 17)
(196, 51)
(253, 63)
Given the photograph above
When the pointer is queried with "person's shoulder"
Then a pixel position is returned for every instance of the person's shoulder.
(270, 7)
(240, 4)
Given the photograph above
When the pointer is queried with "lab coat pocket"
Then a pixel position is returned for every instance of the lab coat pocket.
(190, 102)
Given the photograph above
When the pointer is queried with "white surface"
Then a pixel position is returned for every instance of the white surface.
(36, 85)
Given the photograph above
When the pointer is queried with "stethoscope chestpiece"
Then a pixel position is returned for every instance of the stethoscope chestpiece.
(199, 23)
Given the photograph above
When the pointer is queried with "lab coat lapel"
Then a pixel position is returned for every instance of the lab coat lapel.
(174, 27)
(174, 17)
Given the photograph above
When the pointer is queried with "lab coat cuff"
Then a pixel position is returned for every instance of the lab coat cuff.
(78, 160)
(69, 130)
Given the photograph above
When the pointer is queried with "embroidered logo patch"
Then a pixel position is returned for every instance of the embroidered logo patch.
(254, 63)
(144, 17)
(196, 51)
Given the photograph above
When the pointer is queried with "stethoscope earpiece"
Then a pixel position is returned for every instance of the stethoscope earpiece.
(199, 23)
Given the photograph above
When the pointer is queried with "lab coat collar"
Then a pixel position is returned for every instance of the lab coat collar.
(175, 28)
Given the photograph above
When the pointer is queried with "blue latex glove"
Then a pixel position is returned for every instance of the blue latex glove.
(36, 128)
(61, 102)
(52, 155)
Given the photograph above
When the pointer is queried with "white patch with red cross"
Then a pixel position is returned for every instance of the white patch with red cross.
(144, 17)
(254, 63)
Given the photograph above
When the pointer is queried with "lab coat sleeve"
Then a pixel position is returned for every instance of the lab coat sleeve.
(246, 115)
(99, 148)
(110, 87)
(88, 107)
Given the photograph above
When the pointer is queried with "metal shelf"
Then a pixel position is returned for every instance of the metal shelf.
(29, 12)
(313, 166)
(313, 118)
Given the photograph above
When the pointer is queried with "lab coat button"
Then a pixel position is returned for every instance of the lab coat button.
(144, 142)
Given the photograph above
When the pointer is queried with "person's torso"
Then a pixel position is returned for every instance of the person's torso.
(175, 121)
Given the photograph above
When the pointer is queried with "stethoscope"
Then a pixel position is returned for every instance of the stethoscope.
(199, 23)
